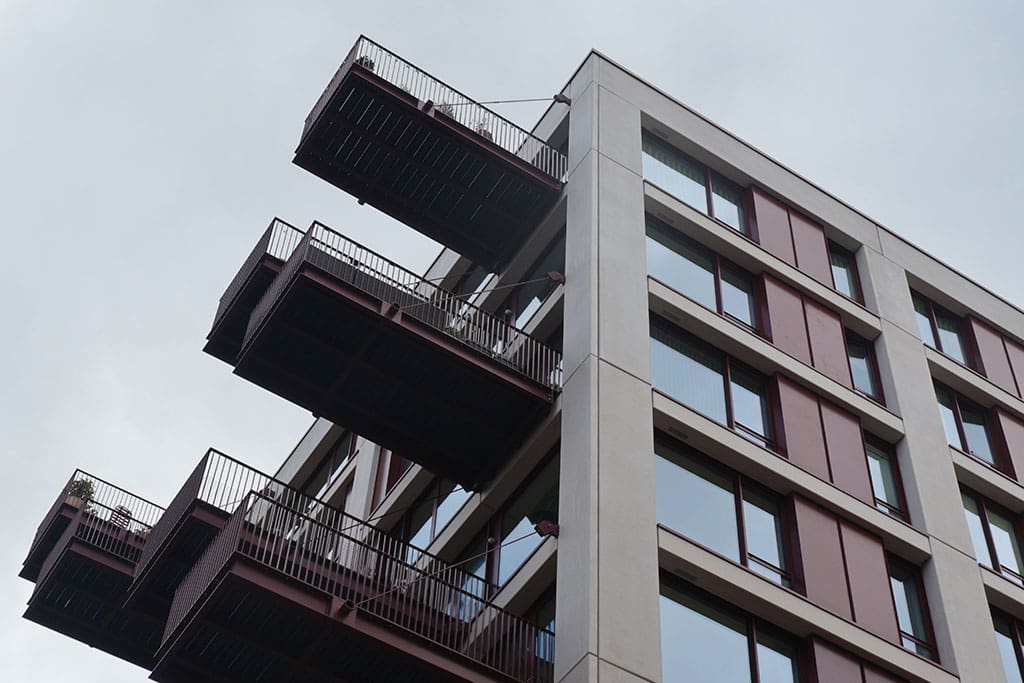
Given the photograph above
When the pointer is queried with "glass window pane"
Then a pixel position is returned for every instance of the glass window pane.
(842, 272)
(883, 476)
(453, 497)
(862, 365)
(727, 197)
(776, 658)
(976, 431)
(738, 295)
(681, 264)
(1004, 537)
(697, 637)
(974, 524)
(530, 296)
(750, 404)
(697, 501)
(674, 172)
(419, 527)
(688, 370)
(946, 411)
(922, 311)
(1007, 651)
(763, 526)
(949, 336)
(909, 611)
(537, 502)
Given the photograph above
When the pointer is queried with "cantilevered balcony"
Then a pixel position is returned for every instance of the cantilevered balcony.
(282, 595)
(408, 144)
(252, 280)
(355, 338)
(90, 542)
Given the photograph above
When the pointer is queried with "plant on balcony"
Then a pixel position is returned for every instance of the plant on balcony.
(447, 109)
(365, 62)
(80, 492)
(483, 129)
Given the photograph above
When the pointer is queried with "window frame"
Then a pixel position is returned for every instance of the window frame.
(741, 484)
(333, 463)
(901, 513)
(983, 505)
(511, 304)
(963, 332)
(993, 433)
(709, 174)
(872, 361)
(391, 469)
(1016, 638)
(902, 571)
(851, 257)
(431, 493)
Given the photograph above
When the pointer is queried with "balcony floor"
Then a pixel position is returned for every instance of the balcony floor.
(329, 347)
(377, 142)
(225, 339)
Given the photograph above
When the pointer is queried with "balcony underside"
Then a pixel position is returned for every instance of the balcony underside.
(257, 625)
(225, 339)
(153, 587)
(381, 145)
(47, 540)
(330, 348)
(81, 596)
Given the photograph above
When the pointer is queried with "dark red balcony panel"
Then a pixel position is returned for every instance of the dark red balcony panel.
(404, 142)
(355, 338)
(82, 582)
(280, 596)
(248, 285)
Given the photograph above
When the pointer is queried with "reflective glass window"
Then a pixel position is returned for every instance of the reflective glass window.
(698, 501)
(675, 172)
(727, 202)
(884, 482)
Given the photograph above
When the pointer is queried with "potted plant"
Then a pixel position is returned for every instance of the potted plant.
(447, 109)
(365, 62)
(483, 129)
(80, 492)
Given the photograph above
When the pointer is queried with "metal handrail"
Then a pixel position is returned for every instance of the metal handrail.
(417, 298)
(352, 565)
(279, 241)
(447, 101)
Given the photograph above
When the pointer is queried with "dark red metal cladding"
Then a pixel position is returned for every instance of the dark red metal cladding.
(802, 435)
(847, 461)
(1012, 429)
(786, 322)
(832, 665)
(873, 675)
(811, 248)
(821, 558)
(868, 578)
(1015, 352)
(769, 226)
(994, 361)
(827, 342)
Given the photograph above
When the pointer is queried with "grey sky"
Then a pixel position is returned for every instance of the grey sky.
(144, 146)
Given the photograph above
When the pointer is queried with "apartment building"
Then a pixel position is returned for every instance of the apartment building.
(662, 410)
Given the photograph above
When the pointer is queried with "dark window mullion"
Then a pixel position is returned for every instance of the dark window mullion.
(1015, 637)
(965, 446)
(730, 418)
(741, 525)
(997, 565)
(719, 299)
(708, 192)
(755, 674)
(935, 325)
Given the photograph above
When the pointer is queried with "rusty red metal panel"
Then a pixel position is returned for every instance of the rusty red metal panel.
(993, 361)
(769, 225)
(786, 324)
(802, 435)
(820, 563)
(1015, 352)
(1013, 435)
(832, 665)
(847, 461)
(868, 577)
(827, 342)
(811, 248)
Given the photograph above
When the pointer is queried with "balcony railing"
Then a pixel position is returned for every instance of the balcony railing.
(417, 298)
(372, 573)
(448, 101)
(278, 241)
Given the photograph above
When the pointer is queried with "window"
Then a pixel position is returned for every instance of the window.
(702, 377)
(966, 425)
(939, 329)
(692, 182)
(995, 537)
(536, 286)
(864, 366)
(885, 478)
(425, 520)
(700, 274)
(1008, 640)
(844, 272)
(911, 608)
(390, 468)
(513, 526)
(720, 510)
(701, 634)
(337, 456)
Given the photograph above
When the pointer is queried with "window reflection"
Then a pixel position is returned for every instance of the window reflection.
(674, 172)
(727, 201)
(884, 482)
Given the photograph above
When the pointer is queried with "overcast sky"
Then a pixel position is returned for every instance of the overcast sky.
(144, 147)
